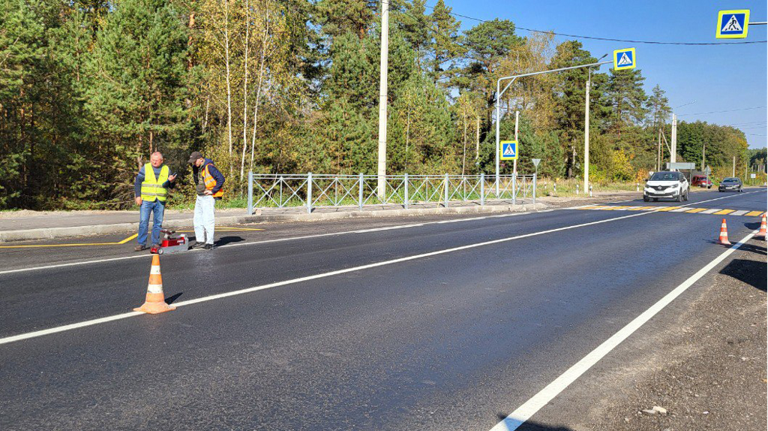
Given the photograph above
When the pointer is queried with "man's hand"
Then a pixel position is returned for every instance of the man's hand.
(138, 200)
(172, 177)
(208, 192)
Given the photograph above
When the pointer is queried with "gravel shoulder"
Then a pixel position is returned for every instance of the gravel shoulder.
(706, 371)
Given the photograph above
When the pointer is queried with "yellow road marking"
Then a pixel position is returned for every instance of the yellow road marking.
(724, 212)
(696, 210)
(59, 245)
(753, 213)
(91, 244)
(640, 208)
(128, 239)
(667, 209)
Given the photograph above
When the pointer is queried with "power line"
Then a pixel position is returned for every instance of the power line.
(648, 42)
(720, 112)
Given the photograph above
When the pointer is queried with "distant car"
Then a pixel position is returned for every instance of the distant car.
(666, 185)
(730, 185)
(701, 181)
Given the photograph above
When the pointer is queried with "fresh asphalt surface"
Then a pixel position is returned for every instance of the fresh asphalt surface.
(451, 341)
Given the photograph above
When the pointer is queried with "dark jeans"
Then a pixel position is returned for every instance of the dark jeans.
(147, 208)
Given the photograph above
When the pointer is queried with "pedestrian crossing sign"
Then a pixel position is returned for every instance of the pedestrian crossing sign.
(509, 150)
(732, 24)
(624, 59)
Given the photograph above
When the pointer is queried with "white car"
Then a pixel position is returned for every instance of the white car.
(666, 185)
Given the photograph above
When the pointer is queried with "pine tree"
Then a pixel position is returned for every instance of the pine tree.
(139, 77)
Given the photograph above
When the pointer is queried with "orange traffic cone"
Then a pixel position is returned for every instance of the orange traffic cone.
(155, 302)
(762, 233)
(723, 234)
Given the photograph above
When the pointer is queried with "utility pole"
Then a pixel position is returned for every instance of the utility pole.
(586, 135)
(673, 150)
(658, 153)
(733, 173)
(703, 152)
(382, 171)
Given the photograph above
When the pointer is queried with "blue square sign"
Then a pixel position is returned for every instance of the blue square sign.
(732, 24)
(624, 59)
(508, 150)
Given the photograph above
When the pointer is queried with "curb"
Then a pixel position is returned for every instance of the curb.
(75, 231)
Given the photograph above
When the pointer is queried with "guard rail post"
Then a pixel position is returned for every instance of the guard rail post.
(406, 191)
(534, 189)
(360, 191)
(445, 204)
(482, 189)
(309, 193)
(250, 192)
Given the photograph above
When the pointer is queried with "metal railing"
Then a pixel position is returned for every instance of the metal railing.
(324, 190)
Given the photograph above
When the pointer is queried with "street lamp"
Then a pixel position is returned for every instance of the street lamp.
(500, 92)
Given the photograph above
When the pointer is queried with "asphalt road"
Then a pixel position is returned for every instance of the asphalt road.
(352, 334)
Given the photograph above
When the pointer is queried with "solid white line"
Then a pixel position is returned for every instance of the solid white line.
(70, 327)
(311, 277)
(533, 405)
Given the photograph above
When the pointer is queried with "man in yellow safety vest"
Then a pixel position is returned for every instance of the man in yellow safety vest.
(151, 191)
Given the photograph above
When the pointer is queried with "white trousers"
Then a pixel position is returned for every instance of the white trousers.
(204, 219)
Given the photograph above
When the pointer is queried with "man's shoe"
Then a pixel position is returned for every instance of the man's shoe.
(140, 248)
(208, 247)
(196, 244)
(155, 248)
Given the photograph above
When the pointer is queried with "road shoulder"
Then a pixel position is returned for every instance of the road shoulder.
(706, 371)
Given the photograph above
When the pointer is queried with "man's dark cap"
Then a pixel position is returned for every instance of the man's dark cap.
(194, 156)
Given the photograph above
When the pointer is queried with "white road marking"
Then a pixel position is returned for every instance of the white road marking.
(41, 333)
(88, 262)
(541, 399)
(269, 241)
(679, 210)
(711, 211)
(738, 213)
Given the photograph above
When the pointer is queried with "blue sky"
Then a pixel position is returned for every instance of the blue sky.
(706, 79)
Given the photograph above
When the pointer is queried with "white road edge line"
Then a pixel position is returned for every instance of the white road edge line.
(541, 399)
(86, 323)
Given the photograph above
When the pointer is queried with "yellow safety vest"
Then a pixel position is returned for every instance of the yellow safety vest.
(152, 188)
(210, 183)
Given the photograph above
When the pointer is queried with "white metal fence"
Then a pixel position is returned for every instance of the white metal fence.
(323, 190)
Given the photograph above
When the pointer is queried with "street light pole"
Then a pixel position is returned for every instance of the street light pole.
(500, 92)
